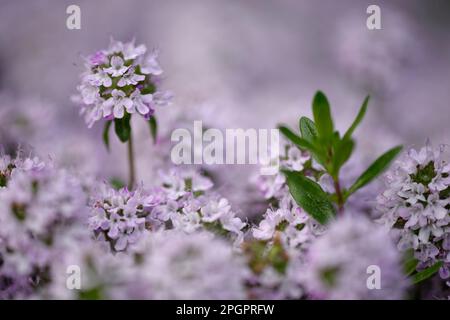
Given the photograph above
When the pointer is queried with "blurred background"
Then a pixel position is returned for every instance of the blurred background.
(231, 64)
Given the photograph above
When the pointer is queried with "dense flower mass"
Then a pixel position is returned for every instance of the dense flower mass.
(121, 80)
(416, 205)
(289, 222)
(282, 236)
(181, 201)
(337, 263)
(119, 216)
(43, 209)
(190, 205)
(285, 218)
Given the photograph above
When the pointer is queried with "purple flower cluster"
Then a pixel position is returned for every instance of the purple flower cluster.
(119, 216)
(121, 79)
(181, 201)
(282, 236)
(416, 206)
(189, 205)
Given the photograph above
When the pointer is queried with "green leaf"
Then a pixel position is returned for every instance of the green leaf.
(308, 129)
(322, 116)
(117, 183)
(123, 128)
(295, 139)
(376, 168)
(343, 151)
(106, 134)
(310, 196)
(425, 274)
(358, 119)
(153, 128)
(410, 263)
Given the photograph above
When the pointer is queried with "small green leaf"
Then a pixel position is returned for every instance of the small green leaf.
(322, 116)
(106, 134)
(358, 119)
(410, 263)
(295, 139)
(123, 128)
(117, 183)
(153, 128)
(308, 129)
(310, 196)
(376, 168)
(425, 274)
(343, 151)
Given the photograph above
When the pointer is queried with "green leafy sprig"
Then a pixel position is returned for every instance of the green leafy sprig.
(331, 150)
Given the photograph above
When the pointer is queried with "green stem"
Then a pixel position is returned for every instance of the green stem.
(340, 198)
(132, 171)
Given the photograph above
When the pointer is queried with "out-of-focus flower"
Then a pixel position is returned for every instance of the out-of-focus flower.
(275, 270)
(43, 210)
(176, 265)
(102, 275)
(120, 80)
(416, 205)
(25, 122)
(337, 262)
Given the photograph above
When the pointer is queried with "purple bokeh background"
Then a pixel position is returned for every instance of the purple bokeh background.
(232, 64)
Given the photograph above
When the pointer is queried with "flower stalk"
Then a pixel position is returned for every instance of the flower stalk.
(131, 163)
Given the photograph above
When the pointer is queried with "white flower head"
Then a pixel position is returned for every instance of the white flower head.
(415, 204)
(121, 80)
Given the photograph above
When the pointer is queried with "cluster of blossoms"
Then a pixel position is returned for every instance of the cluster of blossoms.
(416, 205)
(189, 205)
(121, 80)
(119, 216)
(283, 235)
(337, 262)
(181, 202)
(285, 219)
(294, 227)
(42, 212)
